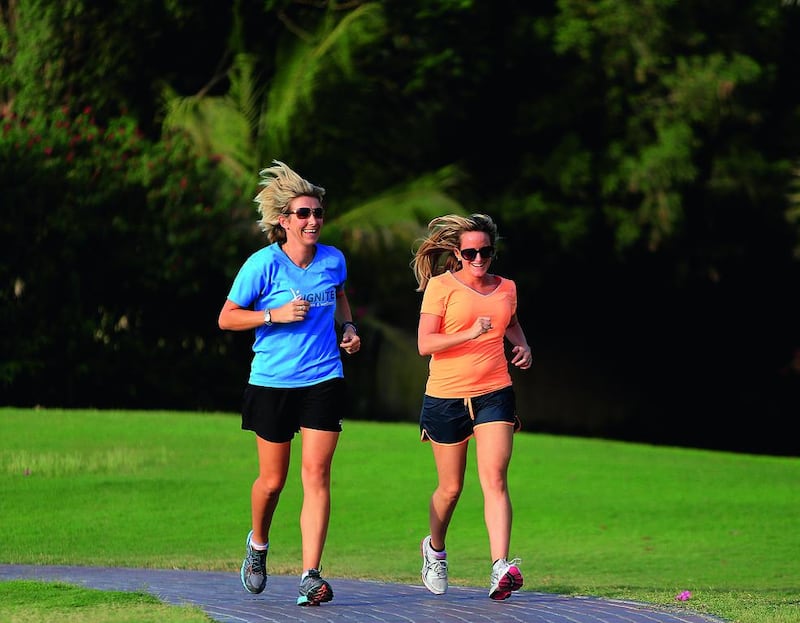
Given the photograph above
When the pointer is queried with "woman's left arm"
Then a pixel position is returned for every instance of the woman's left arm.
(521, 351)
(344, 316)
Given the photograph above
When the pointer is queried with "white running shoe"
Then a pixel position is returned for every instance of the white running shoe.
(506, 578)
(434, 570)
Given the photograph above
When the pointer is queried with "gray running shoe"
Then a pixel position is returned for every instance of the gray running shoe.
(434, 570)
(254, 568)
(314, 590)
(506, 578)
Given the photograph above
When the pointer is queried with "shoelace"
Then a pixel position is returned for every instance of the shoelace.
(255, 561)
(439, 567)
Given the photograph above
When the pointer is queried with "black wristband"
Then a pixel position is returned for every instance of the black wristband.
(351, 323)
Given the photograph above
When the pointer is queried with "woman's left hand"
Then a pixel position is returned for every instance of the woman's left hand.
(522, 357)
(351, 343)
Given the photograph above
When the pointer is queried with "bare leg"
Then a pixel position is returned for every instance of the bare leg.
(451, 462)
(273, 466)
(493, 444)
(318, 448)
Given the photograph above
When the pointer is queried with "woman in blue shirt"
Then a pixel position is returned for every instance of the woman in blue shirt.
(292, 294)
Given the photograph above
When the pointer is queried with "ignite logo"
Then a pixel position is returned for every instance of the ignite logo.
(317, 299)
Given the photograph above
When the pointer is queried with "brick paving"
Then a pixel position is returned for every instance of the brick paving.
(224, 600)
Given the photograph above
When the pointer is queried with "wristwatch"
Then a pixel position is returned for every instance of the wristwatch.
(267, 318)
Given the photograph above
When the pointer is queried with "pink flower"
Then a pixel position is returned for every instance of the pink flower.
(683, 596)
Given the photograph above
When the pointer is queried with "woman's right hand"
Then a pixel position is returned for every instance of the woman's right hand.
(293, 311)
(482, 325)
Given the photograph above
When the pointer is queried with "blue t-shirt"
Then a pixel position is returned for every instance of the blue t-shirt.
(295, 354)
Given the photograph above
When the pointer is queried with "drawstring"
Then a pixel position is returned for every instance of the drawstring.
(468, 405)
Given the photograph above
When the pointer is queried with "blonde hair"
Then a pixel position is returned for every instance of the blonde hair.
(435, 253)
(281, 185)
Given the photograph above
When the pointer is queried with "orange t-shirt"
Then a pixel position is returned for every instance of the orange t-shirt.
(478, 366)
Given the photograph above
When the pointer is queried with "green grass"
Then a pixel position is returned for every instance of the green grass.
(591, 517)
(24, 601)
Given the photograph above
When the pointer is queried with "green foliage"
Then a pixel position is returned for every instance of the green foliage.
(79, 53)
(112, 222)
(672, 93)
(224, 126)
(616, 143)
(302, 64)
(51, 45)
(257, 118)
(382, 231)
(703, 89)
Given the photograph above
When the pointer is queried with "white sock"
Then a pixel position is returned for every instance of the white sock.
(438, 555)
(261, 547)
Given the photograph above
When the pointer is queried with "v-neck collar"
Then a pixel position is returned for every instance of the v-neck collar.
(469, 287)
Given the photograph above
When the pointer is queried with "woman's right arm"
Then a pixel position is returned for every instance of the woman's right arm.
(236, 318)
(430, 340)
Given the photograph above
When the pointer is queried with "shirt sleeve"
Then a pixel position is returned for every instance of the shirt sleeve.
(249, 283)
(434, 299)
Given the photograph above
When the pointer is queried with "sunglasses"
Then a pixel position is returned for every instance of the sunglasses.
(470, 254)
(305, 213)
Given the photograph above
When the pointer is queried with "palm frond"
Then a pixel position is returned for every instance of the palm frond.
(221, 126)
(397, 217)
(334, 45)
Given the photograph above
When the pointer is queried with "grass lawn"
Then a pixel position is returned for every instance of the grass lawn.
(591, 517)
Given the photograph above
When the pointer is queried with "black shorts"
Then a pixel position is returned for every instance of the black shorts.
(276, 414)
(453, 420)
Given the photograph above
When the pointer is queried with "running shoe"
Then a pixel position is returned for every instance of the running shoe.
(506, 578)
(314, 590)
(434, 570)
(254, 568)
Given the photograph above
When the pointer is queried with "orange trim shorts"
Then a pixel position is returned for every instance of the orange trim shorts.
(453, 420)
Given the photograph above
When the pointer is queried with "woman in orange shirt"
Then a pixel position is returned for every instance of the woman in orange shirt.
(466, 314)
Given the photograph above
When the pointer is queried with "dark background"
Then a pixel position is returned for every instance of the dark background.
(641, 163)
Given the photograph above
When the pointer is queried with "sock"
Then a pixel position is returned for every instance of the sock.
(440, 554)
(261, 547)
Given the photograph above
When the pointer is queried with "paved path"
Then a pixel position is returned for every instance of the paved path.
(222, 597)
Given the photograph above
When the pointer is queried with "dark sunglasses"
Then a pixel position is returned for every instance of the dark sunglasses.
(305, 213)
(470, 254)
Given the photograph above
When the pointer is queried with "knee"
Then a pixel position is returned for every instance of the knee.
(496, 484)
(269, 486)
(449, 494)
(316, 475)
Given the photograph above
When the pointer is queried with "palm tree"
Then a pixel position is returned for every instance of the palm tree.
(255, 118)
